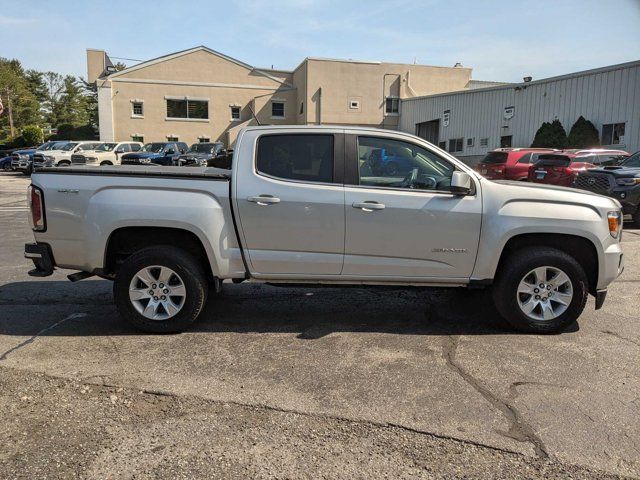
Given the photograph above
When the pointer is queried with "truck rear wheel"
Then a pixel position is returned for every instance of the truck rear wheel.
(160, 289)
(540, 290)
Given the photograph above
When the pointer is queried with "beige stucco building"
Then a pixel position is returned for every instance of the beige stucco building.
(202, 95)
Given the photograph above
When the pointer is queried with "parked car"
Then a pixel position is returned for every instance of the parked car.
(621, 182)
(600, 156)
(200, 153)
(294, 208)
(391, 161)
(156, 153)
(108, 153)
(22, 159)
(510, 163)
(60, 154)
(5, 164)
(559, 168)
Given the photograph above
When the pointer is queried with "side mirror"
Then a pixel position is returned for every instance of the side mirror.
(120, 150)
(171, 151)
(461, 183)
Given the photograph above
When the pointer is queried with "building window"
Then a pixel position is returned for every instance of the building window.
(137, 109)
(354, 104)
(484, 142)
(171, 138)
(392, 106)
(506, 141)
(204, 139)
(277, 109)
(301, 108)
(442, 145)
(455, 144)
(613, 134)
(188, 109)
(235, 113)
(470, 142)
(137, 138)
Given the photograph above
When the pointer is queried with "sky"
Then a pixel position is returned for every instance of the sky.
(501, 40)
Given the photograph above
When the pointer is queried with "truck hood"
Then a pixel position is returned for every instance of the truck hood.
(541, 192)
(617, 171)
(24, 152)
(142, 155)
(195, 156)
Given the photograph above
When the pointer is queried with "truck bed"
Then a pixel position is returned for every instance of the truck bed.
(85, 205)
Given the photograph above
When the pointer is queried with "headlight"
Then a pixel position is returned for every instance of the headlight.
(628, 182)
(615, 223)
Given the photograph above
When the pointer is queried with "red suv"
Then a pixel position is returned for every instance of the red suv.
(561, 168)
(510, 163)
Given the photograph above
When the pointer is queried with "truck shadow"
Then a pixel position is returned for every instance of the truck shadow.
(29, 308)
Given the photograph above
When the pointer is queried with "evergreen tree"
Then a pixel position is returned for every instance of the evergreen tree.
(550, 135)
(583, 134)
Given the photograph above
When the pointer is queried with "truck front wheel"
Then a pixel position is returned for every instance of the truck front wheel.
(160, 289)
(540, 290)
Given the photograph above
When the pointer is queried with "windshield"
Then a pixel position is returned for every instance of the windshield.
(68, 146)
(153, 147)
(201, 148)
(57, 146)
(495, 157)
(106, 147)
(46, 146)
(633, 161)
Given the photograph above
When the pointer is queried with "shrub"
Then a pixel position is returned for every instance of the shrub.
(550, 135)
(32, 135)
(583, 134)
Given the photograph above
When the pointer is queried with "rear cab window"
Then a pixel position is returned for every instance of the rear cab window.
(297, 157)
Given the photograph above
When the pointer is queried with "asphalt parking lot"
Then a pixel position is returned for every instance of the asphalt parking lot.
(311, 383)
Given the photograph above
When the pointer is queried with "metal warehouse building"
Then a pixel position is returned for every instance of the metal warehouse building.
(471, 122)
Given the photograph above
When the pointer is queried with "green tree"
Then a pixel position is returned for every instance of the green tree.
(583, 134)
(550, 135)
(21, 104)
(32, 135)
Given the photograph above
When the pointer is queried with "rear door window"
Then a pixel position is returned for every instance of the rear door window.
(307, 158)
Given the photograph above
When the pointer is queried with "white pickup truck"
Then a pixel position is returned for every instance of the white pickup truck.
(325, 205)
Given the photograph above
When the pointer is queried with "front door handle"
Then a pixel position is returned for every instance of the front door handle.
(264, 199)
(368, 206)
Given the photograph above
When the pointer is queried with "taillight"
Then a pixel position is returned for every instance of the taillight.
(36, 205)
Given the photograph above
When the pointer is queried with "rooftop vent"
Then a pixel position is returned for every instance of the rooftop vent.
(527, 79)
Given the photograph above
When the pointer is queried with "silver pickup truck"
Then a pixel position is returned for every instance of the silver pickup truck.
(325, 205)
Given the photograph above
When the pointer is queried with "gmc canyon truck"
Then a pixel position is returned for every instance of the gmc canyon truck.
(304, 205)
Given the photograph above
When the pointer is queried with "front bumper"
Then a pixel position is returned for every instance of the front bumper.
(40, 254)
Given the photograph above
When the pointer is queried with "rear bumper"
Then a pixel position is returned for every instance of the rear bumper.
(40, 254)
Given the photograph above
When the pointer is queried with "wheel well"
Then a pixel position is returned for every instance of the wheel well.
(106, 162)
(125, 241)
(579, 248)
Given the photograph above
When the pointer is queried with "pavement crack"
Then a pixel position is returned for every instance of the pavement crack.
(44, 330)
(518, 430)
(617, 335)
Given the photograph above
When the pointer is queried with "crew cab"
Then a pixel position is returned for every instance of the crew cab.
(621, 182)
(303, 205)
(156, 153)
(509, 163)
(108, 153)
(62, 157)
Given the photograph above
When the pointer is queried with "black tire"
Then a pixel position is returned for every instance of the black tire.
(7, 167)
(636, 218)
(513, 270)
(106, 163)
(64, 163)
(182, 263)
(391, 168)
(26, 172)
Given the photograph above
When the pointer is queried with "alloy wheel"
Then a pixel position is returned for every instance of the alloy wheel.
(544, 293)
(157, 292)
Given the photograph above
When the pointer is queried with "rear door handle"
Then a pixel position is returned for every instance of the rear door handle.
(264, 199)
(368, 206)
